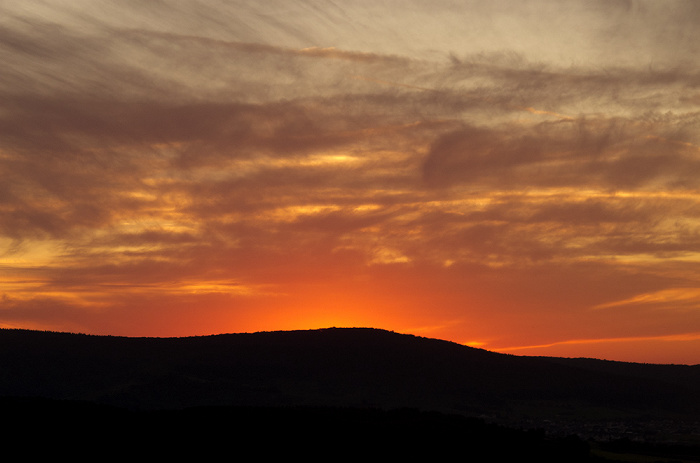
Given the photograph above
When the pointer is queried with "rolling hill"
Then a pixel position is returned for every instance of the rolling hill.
(348, 369)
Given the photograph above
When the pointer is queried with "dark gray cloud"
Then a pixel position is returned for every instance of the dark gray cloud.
(599, 154)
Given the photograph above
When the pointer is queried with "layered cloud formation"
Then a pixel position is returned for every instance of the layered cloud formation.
(507, 174)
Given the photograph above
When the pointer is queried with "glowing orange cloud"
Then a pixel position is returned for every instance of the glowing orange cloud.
(239, 169)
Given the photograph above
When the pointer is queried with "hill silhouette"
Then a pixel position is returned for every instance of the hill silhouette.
(335, 369)
(335, 366)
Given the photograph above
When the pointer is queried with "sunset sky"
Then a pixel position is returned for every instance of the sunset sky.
(521, 176)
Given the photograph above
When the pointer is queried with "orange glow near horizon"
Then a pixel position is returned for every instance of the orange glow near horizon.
(502, 180)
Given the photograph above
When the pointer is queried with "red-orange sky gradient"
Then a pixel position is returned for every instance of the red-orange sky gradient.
(522, 176)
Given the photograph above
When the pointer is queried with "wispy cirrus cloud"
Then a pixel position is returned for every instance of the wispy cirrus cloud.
(477, 167)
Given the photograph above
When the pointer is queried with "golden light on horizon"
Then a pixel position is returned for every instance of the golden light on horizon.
(499, 177)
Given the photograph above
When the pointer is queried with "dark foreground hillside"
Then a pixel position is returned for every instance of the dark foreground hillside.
(306, 390)
(313, 433)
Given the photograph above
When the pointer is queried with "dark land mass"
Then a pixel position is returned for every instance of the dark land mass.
(340, 392)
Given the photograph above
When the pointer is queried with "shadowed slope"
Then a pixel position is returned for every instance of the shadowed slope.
(332, 367)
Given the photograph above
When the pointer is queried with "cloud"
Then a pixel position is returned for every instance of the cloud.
(600, 154)
(479, 159)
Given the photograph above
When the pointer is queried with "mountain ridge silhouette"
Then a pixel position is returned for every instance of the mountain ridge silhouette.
(364, 367)
(334, 392)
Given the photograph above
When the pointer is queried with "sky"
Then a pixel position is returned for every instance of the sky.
(519, 176)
